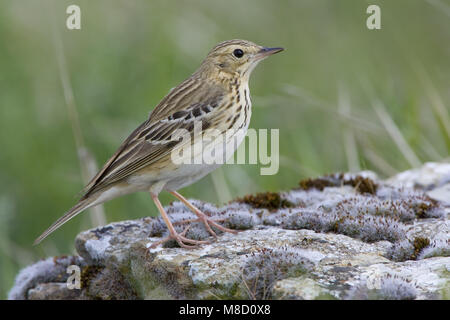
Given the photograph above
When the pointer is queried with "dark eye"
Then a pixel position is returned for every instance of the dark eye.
(238, 53)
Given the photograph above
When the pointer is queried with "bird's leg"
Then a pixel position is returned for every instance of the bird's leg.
(180, 238)
(157, 243)
(201, 216)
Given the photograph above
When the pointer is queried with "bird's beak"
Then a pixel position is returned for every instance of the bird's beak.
(265, 52)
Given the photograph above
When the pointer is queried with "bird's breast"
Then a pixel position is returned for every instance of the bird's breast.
(238, 113)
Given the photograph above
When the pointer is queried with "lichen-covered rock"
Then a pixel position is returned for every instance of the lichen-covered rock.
(53, 291)
(301, 288)
(50, 270)
(343, 236)
(430, 176)
(428, 278)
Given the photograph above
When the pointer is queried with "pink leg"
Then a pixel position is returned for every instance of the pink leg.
(180, 238)
(201, 216)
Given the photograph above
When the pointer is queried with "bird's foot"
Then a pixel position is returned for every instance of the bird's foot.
(181, 240)
(208, 222)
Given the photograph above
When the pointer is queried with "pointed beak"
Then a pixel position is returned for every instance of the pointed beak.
(265, 52)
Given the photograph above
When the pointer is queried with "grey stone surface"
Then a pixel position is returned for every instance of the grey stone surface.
(334, 243)
(53, 291)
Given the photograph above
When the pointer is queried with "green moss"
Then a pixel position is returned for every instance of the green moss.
(267, 200)
(318, 183)
(445, 291)
(237, 291)
(419, 244)
(100, 283)
(421, 209)
(361, 184)
(88, 273)
(325, 296)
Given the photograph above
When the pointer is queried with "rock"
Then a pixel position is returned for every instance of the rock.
(441, 194)
(430, 176)
(300, 288)
(429, 277)
(50, 270)
(53, 291)
(325, 240)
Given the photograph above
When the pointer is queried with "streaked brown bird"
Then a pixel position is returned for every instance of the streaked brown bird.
(217, 96)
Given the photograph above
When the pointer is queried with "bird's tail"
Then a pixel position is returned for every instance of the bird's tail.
(76, 209)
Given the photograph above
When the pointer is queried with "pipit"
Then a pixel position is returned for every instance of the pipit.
(216, 95)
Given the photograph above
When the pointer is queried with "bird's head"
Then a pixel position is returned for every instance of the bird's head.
(236, 57)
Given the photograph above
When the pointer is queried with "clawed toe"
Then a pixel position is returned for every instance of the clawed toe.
(181, 240)
(180, 237)
(203, 217)
(218, 226)
(208, 222)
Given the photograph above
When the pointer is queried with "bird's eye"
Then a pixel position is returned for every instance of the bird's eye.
(238, 53)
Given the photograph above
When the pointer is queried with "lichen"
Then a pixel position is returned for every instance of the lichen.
(265, 266)
(53, 269)
(391, 287)
(368, 228)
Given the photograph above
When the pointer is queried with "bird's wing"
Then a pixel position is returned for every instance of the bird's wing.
(191, 101)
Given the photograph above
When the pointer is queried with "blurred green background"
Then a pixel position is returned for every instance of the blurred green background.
(344, 97)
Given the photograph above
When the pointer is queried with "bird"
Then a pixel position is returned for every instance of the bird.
(217, 97)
